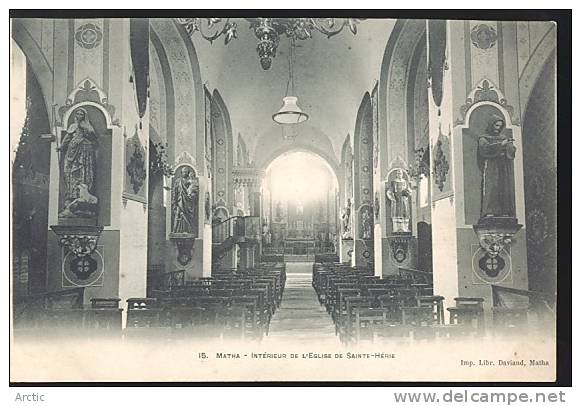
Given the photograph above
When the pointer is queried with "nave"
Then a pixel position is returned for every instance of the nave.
(301, 318)
(403, 193)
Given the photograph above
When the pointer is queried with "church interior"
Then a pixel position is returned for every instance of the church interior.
(333, 180)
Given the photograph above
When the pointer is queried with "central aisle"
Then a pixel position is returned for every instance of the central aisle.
(300, 317)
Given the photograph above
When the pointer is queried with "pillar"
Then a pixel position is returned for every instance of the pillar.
(362, 212)
(99, 242)
(250, 180)
(395, 237)
(474, 75)
(345, 229)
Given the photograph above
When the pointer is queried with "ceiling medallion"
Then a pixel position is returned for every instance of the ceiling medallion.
(268, 30)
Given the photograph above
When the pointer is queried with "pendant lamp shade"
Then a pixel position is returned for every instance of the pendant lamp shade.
(290, 112)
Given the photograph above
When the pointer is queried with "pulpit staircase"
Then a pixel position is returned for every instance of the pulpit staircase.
(229, 232)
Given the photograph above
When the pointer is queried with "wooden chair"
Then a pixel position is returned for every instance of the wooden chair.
(469, 313)
(436, 303)
(105, 315)
(142, 313)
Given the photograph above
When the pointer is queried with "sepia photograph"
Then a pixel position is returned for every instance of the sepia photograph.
(284, 196)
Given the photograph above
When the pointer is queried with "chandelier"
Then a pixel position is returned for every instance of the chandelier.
(268, 31)
(290, 112)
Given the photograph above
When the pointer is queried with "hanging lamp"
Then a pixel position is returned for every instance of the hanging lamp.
(290, 112)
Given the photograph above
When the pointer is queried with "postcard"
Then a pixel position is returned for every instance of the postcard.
(287, 198)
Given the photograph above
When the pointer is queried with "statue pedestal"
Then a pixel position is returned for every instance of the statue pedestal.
(76, 257)
(183, 252)
(362, 253)
(76, 221)
(399, 250)
(346, 250)
(495, 233)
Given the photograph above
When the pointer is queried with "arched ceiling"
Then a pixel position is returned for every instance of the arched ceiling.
(331, 76)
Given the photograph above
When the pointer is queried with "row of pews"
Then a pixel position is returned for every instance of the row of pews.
(366, 307)
(230, 304)
(65, 310)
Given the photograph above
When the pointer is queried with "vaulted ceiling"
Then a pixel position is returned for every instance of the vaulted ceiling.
(331, 76)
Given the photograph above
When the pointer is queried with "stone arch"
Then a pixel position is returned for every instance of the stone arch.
(543, 53)
(402, 49)
(30, 180)
(183, 85)
(395, 125)
(198, 87)
(363, 160)
(185, 126)
(346, 179)
(37, 60)
(167, 79)
(310, 139)
(540, 180)
(223, 151)
(363, 143)
(324, 155)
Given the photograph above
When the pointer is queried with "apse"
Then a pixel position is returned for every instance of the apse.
(300, 177)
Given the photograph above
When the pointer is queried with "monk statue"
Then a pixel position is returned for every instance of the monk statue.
(496, 153)
(184, 202)
(78, 151)
(399, 193)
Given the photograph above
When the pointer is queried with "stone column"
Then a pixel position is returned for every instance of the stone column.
(345, 212)
(473, 77)
(362, 212)
(395, 240)
(250, 179)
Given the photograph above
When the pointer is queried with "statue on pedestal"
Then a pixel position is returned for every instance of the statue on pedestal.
(184, 202)
(399, 193)
(78, 151)
(346, 219)
(366, 224)
(496, 153)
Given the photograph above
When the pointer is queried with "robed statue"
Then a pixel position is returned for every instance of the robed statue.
(78, 152)
(184, 202)
(366, 224)
(346, 219)
(399, 194)
(496, 154)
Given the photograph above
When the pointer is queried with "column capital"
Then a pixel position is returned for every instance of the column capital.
(245, 176)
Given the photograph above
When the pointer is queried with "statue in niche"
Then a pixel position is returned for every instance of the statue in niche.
(184, 201)
(399, 194)
(346, 219)
(78, 152)
(496, 153)
(366, 224)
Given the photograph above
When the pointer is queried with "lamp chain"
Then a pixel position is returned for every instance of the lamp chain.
(292, 77)
(290, 82)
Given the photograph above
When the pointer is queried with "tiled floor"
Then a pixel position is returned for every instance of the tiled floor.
(300, 316)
